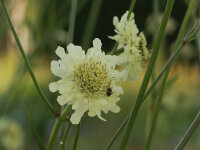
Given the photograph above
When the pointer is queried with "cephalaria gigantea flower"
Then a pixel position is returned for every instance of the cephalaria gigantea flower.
(11, 134)
(87, 80)
(134, 45)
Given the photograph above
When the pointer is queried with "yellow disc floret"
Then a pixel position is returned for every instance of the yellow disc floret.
(92, 78)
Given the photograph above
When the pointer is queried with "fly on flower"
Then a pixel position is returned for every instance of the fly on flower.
(134, 45)
(87, 80)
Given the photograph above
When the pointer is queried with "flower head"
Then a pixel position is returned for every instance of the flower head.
(87, 80)
(126, 31)
(11, 135)
(134, 45)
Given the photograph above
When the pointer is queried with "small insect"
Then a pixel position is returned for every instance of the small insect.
(109, 92)
(141, 48)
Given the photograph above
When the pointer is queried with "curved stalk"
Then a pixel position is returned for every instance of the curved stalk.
(28, 65)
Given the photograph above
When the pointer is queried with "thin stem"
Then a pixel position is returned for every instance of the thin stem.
(195, 124)
(188, 37)
(72, 19)
(116, 134)
(56, 127)
(131, 9)
(185, 22)
(114, 50)
(155, 114)
(65, 136)
(155, 18)
(147, 76)
(198, 50)
(77, 136)
(165, 68)
(171, 59)
(28, 65)
(39, 141)
(70, 39)
(91, 22)
(162, 88)
(153, 76)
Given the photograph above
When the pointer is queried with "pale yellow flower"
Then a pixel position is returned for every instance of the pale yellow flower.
(134, 45)
(11, 134)
(87, 81)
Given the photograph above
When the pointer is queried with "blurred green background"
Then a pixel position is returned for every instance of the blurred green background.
(42, 26)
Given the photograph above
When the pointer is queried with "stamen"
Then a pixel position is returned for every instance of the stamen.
(92, 78)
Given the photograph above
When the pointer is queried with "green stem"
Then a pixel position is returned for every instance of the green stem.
(188, 37)
(116, 134)
(185, 22)
(65, 136)
(162, 88)
(77, 136)
(155, 18)
(147, 76)
(39, 141)
(153, 76)
(165, 68)
(72, 21)
(131, 9)
(198, 50)
(28, 65)
(155, 114)
(114, 50)
(195, 124)
(56, 127)
(91, 22)
(170, 61)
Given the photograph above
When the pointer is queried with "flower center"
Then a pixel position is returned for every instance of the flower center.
(92, 77)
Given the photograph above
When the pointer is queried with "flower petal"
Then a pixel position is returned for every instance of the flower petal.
(53, 87)
(60, 51)
(97, 43)
(61, 100)
(77, 115)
